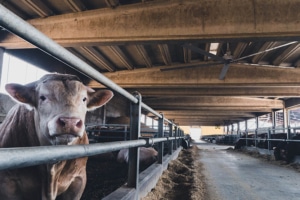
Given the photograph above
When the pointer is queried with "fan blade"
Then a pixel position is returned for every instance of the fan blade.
(198, 50)
(224, 71)
(193, 66)
(271, 49)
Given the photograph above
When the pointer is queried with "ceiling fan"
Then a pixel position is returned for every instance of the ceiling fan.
(226, 59)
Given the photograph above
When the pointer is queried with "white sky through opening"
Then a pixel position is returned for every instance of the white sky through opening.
(15, 70)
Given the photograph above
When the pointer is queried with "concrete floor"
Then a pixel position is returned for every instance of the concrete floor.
(236, 176)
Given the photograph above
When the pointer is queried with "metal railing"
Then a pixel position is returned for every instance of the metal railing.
(269, 135)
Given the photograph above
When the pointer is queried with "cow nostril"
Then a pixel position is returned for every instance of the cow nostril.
(70, 123)
(79, 124)
(61, 122)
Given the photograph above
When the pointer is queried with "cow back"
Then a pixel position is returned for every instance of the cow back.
(18, 129)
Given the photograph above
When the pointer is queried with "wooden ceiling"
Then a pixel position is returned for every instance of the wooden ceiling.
(134, 43)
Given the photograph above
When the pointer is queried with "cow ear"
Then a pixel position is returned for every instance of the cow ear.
(20, 93)
(99, 98)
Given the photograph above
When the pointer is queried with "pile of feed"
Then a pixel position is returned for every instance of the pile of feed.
(182, 180)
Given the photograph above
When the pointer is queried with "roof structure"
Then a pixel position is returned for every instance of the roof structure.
(198, 62)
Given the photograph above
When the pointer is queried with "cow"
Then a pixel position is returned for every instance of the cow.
(241, 142)
(51, 111)
(287, 150)
(186, 141)
(147, 156)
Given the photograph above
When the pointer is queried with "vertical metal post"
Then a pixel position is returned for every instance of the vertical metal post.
(135, 127)
(256, 130)
(285, 118)
(103, 112)
(246, 132)
(170, 148)
(1, 61)
(288, 133)
(125, 133)
(255, 139)
(269, 137)
(178, 139)
(181, 137)
(175, 141)
(273, 114)
(160, 135)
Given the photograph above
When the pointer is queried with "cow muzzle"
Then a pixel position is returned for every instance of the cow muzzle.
(65, 129)
(69, 125)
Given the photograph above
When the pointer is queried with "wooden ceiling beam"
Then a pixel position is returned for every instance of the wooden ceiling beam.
(207, 49)
(290, 51)
(214, 102)
(187, 55)
(112, 3)
(96, 56)
(169, 20)
(75, 5)
(208, 109)
(196, 113)
(267, 45)
(239, 75)
(272, 91)
(9, 5)
(142, 51)
(38, 7)
(121, 56)
(239, 50)
(202, 122)
(165, 53)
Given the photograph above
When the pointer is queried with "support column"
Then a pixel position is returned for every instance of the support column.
(246, 131)
(135, 128)
(238, 131)
(273, 119)
(103, 114)
(285, 118)
(160, 135)
(170, 141)
(1, 61)
(256, 130)
(175, 141)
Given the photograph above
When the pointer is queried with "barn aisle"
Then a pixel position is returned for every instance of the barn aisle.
(233, 175)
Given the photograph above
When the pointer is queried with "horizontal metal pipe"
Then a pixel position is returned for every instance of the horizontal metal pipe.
(284, 140)
(11, 158)
(28, 156)
(156, 140)
(23, 29)
(146, 107)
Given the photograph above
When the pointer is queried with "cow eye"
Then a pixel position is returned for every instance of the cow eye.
(43, 98)
(84, 99)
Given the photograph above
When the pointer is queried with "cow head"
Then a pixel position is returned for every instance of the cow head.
(60, 103)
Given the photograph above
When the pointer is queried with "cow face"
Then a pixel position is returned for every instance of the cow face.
(60, 103)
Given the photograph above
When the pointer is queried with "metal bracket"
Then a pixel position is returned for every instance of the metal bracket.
(148, 142)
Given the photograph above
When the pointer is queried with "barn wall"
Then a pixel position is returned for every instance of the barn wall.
(212, 130)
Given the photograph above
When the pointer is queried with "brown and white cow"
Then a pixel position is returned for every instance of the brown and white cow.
(147, 155)
(52, 112)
